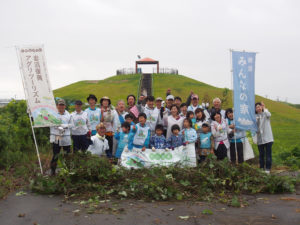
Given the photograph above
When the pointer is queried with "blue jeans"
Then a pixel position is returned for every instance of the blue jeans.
(265, 149)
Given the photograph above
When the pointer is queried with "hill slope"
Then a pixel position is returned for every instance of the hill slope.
(285, 118)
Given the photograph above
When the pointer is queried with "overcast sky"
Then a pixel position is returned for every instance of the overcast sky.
(90, 39)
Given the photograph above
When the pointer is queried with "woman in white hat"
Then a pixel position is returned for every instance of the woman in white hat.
(108, 116)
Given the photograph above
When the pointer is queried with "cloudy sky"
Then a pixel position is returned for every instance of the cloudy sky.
(90, 39)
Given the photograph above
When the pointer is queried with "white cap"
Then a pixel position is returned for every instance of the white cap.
(170, 97)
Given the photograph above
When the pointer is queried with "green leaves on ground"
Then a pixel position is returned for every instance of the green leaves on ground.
(84, 173)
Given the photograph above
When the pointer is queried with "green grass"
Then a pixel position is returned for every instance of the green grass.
(285, 118)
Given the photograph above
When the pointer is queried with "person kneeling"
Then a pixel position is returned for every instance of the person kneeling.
(98, 143)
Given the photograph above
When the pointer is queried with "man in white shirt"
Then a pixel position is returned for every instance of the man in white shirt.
(80, 127)
(60, 136)
(152, 113)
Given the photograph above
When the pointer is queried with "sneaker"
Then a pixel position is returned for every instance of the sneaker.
(267, 171)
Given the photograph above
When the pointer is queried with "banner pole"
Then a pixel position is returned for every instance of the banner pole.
(231, 70)
(29, 114)
(36, 146)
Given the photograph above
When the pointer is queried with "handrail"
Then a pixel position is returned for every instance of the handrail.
(139, 87)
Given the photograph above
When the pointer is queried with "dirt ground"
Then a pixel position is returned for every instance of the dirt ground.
(28, 208)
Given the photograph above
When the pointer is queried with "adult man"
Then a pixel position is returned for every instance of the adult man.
(153, 114)
(80, 128)
(217, 107)
(60, 136)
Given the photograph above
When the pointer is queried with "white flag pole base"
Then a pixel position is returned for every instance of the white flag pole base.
(36, 146)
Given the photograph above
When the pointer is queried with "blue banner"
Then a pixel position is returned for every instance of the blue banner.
(243, 65)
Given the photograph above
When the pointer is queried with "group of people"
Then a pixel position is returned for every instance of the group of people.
(157, 124)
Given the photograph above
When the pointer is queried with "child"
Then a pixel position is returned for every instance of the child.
(94, 113)
(235, 138)
(141, 132)
(176, 138)
(200, 119)
(206, 143)
(123, 138)
(98, 143)
(80, 128)
(158, 141)
(190, 115)
(190, 135)
(129, 119)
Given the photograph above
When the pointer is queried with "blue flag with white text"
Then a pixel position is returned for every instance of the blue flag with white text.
(243, 65)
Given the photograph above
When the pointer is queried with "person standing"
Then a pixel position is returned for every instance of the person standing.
(264, 136)
(173, 119)
(80, 128)
(219, 129)
(134, 109)
(60, 136)
(153, 114)
(108, 118)
(93, 113)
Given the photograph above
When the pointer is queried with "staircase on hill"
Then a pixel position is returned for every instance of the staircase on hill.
(146, 84)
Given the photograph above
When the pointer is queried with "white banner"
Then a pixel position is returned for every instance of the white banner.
(37, 87)
(181, 156)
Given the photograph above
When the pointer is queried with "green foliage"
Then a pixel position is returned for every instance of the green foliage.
(84, 173)
(16, 140)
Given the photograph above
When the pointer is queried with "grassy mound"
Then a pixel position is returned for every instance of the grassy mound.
(84, 173)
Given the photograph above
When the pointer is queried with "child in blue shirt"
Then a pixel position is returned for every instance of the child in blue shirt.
(206, 143)
(158, 141)
(190, 115)
(123, 138)
(189, 133)
(176, 138)
(129, 119)
(141, 134)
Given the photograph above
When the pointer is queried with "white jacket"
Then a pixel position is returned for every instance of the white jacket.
(220, 133)
(61, 134)
(153, 118)
(99, 146)
(264, 131)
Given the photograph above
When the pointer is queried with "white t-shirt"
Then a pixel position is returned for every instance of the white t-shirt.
(80, 123)
(169, 121)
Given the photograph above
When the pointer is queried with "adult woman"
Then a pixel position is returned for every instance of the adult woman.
(108, 118)
(219, 129)
(118, 121)
(120, 109)
(264, 136)
(132, 108)
(174, 118)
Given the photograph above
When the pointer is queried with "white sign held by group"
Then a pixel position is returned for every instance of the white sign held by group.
(181, 156)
